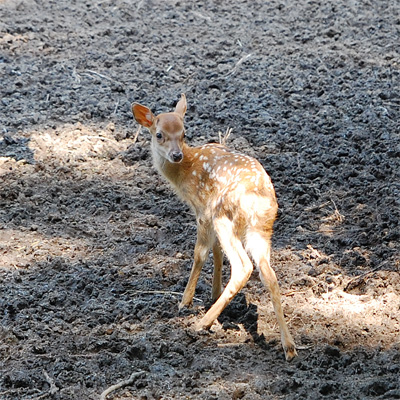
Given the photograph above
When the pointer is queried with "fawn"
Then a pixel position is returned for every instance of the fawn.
(235, 206)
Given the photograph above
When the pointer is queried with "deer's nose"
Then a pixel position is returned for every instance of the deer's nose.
(177, 156)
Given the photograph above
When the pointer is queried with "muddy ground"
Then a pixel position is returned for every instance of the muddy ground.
(95, 249)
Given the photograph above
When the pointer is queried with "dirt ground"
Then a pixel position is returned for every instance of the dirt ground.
(95, 249)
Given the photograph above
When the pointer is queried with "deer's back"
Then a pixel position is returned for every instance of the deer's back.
(226, 182)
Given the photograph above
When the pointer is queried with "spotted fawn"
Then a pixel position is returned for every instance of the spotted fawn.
(235, 206)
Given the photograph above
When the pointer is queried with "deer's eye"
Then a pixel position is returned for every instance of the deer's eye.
(159, 135)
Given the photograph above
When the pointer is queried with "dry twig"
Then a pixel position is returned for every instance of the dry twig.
(137, 134)
(121, 384)
(116, 107)
(163, 293)
(238, 64)
(53, 388)
(224, 139)
(96, 137)
(317, 207)
(358, 280)
(293, 292)
(52, 391)
(90, 72)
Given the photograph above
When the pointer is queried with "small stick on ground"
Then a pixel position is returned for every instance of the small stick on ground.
(90, 72)
(52, 391)
(291, 293)
(224, 139)
(137, 134)
(121, 384)
(50, 381)
(97, 137)
(163, 293)
(116, 107)
(317, 207)
(358, 280)
(238, 64)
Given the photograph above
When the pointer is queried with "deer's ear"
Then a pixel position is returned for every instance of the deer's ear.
(143, 115)
(181, 106)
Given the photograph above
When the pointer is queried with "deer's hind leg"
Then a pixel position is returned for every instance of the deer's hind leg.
(259, 246)
(217, 276)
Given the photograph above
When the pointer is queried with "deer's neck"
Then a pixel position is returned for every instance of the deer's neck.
(175, 173)
(179, 175)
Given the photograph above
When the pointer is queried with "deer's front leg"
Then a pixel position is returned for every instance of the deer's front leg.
(201, 251)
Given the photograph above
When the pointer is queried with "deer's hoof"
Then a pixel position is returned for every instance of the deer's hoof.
(183, 305)
(199, 327)
(290, 352)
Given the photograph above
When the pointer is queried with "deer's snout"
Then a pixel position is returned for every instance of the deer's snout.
(177, 156)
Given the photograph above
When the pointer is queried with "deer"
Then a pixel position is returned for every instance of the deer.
(235, 205)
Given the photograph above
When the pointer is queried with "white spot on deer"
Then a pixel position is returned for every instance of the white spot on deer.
(194, 173)
(206, 167)
(222, 179)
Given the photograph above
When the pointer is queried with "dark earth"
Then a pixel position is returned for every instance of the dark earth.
(95, 249)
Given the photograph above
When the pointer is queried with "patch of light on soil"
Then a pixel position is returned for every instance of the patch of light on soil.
(74, 143)
(318, 310)
(340, 318)
(19, 249)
